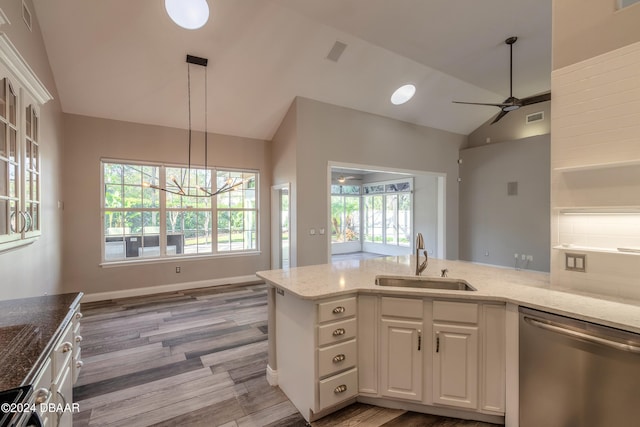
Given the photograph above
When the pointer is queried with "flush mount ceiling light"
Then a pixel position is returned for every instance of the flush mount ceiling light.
(189, 14)
(403, 94)
(182, 185)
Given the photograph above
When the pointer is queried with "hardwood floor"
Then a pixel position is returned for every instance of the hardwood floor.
(196, 358)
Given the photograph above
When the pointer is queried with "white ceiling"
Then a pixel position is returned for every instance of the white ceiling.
(125, 60)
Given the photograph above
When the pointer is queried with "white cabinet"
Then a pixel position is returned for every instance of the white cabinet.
(455, 365)
(455, 358)
(401, 361)
(493, 353)
(53, 384)
(316, 352)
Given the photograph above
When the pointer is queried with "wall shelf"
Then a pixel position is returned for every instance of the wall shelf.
(596, 166)
(576, 248)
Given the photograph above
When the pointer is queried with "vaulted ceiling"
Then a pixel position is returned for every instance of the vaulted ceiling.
(125, 60)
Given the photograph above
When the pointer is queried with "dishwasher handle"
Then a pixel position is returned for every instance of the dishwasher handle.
(581, 335)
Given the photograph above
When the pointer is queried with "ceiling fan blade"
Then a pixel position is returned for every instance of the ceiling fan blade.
(481, 103)
(536, 98)
(499, 116)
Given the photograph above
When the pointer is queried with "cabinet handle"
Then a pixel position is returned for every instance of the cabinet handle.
(79, 364)
(67, 347)
(27, 215)
(340, 389)
(42, 395)
(437, 342)
(338, 332)
(339, 358)
(339, 310)
(78, 315)
(78, 338)
(419, 339)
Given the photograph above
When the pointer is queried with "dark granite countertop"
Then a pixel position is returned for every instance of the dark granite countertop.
(29, 327)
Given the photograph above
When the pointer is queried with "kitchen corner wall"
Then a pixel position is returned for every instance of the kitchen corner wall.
(87, 140)
(595, 147)
(36, 269)
(325, 133)
(495, 225)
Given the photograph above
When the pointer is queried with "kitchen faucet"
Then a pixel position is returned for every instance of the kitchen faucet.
(420, 245)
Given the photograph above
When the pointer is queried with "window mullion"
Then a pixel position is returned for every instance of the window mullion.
(162, 173)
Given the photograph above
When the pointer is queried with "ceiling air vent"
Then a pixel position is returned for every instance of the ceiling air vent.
(26, 15)
(535, 117)
(336, 51)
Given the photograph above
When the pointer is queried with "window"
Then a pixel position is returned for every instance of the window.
(388, 213)
(144, 222)
(345, 213)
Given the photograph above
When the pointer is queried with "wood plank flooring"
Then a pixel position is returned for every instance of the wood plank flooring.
(196, 358)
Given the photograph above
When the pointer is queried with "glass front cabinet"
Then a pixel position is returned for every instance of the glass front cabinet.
(21, 95)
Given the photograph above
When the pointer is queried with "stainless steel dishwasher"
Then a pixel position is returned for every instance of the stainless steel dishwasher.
(577, 374)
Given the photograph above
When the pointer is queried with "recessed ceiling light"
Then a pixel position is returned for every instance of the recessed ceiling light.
(189, 14)
(403, 94)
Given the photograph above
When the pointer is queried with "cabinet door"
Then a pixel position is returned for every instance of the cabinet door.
(455, 365)
(401, 361)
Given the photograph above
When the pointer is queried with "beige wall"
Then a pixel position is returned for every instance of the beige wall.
(330, 133)
(493, 222)
(513, 126)
(283, 160)
(37, 268)
(583, 29)
(87, 140)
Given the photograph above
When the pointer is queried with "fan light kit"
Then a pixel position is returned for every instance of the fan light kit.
(511, 103)
(403, 94)
(189, 14)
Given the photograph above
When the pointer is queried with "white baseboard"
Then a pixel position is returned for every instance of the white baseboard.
(135, 292)
(272, 376)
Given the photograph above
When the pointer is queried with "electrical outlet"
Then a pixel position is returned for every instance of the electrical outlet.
(515, 256)
(575, 262)
(523, 257)
(177, 269)
(530, 258)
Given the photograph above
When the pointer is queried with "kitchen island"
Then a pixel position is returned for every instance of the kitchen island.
(336, 337)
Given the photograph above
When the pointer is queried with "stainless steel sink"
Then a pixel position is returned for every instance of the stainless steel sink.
(424, 282)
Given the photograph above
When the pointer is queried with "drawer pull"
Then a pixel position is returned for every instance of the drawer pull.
(340, 389)
(78, 315)
(79, 364)
(67, 347)
(339, 310)
(42, 395)
(338, 332)
(339, 358)
(78, 338)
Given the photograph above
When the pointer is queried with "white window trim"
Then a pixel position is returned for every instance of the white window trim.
(162, 209)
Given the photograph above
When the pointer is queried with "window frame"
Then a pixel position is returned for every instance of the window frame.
(163, 210)
(365, 226)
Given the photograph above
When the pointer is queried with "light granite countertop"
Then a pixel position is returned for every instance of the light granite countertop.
(521, 287)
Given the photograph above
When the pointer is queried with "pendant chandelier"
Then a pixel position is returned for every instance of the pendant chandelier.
(181, 186)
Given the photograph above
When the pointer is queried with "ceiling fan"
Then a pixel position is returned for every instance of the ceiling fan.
(511, 103)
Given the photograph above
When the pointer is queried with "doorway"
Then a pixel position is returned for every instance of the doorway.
(280, 227)
(377, 211)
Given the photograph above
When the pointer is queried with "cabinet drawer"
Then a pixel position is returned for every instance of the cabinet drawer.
(336, 332)
(402, 307)
(338, 388)
(63, 351)
(461, 312)
(334, 310)
(336, 358)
